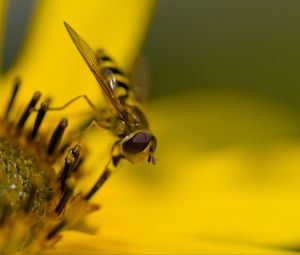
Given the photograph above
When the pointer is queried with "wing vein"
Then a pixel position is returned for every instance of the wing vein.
(90, 58)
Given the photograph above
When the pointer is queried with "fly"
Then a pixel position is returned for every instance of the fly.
(127, 122)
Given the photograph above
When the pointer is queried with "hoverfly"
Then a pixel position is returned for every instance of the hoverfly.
(127, 122)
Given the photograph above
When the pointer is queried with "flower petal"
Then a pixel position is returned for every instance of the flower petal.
(51, 63)
(227, 176)
(80, 243)
(73, 242)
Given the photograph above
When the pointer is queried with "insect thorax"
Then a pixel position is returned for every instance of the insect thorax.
(135, 121)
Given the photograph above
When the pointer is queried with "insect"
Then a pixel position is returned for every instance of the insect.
(126, 121)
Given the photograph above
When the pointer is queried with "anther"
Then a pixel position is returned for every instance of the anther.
(77, 166)
(71, 162)
(67, 170)
(13, 96)
(57, 135)
(29, 109)
(38, 121)
(56, 229)
(102, 179)
(76, 151)
(65, 196)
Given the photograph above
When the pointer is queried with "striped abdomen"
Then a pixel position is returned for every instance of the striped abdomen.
(116, 78)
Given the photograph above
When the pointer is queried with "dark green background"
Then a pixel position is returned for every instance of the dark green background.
(249, 45)
(240, 44)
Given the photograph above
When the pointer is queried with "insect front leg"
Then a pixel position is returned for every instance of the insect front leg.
(101, 119)
(109, 169)
(94, 109)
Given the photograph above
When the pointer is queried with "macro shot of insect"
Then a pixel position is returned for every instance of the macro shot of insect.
(223, 107)
(125, 119)
(40, 194)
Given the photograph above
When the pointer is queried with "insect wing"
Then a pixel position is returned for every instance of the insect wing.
(140, 79)
(90, 58)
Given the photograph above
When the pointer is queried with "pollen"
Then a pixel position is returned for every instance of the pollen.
(38, 177)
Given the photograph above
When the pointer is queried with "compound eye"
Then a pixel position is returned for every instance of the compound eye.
(137, 143)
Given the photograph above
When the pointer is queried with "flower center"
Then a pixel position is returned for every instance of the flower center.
(25, 183)
(38, 175)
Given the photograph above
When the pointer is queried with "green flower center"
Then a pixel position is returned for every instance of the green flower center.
(38, 176)
(25, 183)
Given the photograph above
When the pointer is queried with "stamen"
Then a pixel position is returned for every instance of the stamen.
(65, 197)
(13, 96)
(38, 121)
(57, 135)
(71, 162)
(56, 229)
(80, 161)
(67, 170)
(66, 173)
(76, 151)
(29, 109)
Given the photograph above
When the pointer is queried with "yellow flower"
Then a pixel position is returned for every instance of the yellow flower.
(203, 195)
(42, 178)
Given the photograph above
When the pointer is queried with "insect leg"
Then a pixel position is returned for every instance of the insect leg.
(85, 97)
(94, 123)
(100, 120)
(108, 171)
(73, 100)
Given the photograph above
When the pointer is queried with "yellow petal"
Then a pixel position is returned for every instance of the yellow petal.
(51, 63)
(74, 242)
(80, 243)
(227, 179)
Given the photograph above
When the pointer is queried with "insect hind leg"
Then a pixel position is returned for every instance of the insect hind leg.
(108, 171)
(93, 123)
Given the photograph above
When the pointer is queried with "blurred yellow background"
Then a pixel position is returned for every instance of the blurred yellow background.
(224, 103)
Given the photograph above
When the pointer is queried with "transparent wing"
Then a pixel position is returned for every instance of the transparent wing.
(90, 58)
(140, 77)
